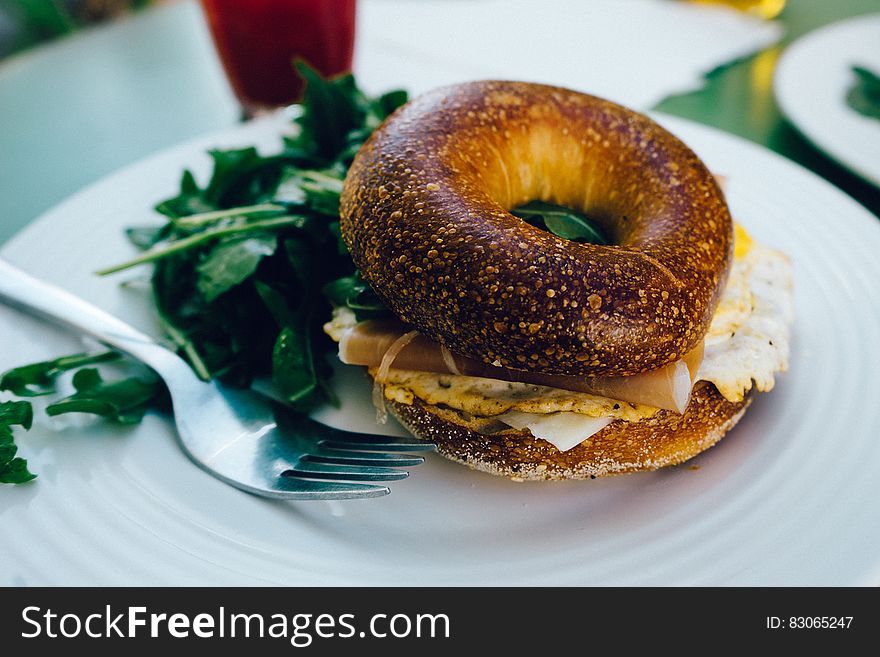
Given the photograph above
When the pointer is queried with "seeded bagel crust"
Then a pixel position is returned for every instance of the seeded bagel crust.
(425, 216)
(667, 438)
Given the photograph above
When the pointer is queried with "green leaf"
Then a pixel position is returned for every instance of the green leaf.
(39, 378)
(231, 262)
(276, 303)
(384, 105)
(228, 166)
(336, 230)
(340, 291)
(293, 363)
(355, 293)
(19, 413)
(125, 400)
(239, 177)
(868, 79)
(189, 201)
(864, 95)
(561, 221)
(331, 109)
(293, 366)
(13, 469)
(144, 237)
(318, 190)
(301, 256)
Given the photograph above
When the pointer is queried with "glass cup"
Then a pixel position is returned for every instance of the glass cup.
(258, 40)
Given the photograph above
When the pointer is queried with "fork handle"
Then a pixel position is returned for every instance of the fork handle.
(37, 297)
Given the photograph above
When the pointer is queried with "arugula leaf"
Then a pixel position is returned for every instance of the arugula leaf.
(355, 293)
(190, 200)
(332, 108)
(317, 189)
(125, 400)
(145, 237)
(293, 372)
(13, 469)
(293, 364)
(39, 378)
(383, 106)
(231, 262)
(561, 221)
(336, 231)
(16, 412)
(864, 95)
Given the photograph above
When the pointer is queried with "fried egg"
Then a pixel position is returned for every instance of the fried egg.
(748, 340)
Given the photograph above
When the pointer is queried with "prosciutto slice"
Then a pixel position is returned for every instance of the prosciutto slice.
(370, 344)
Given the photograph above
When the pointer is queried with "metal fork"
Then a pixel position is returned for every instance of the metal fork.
(239, 436)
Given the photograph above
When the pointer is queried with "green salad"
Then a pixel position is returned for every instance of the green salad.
(246, 270)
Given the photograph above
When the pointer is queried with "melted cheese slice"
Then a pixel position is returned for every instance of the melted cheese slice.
(564, 430)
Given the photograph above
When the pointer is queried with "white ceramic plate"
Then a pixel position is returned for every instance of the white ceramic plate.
(811, 83)
(789, 497)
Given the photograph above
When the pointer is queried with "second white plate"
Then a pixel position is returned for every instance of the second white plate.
(811, 83)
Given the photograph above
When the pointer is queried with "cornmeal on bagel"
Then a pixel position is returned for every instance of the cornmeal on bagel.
(524, 354)
(425, 215)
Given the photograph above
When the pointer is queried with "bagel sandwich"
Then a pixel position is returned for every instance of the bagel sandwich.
(524, 354)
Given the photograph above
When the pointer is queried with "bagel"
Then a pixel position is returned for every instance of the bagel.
(526, 355)
(425, 216)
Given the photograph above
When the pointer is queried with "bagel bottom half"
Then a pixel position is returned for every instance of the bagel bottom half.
(666, 438)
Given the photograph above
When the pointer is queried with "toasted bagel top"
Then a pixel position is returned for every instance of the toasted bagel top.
(424, 213)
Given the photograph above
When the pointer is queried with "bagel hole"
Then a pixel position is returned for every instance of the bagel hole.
(563, 222)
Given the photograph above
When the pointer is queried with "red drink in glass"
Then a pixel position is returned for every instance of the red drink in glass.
(258, 40)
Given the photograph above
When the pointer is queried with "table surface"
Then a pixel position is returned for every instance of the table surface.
(82, 107)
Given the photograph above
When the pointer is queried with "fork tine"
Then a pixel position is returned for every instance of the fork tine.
(378, 444)
(364, 458)
(345, 472)
(294, 488)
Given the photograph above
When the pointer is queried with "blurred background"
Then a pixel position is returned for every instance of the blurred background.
(77, 75)
(27, 23)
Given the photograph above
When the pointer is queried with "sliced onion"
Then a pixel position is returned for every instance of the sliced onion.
(379, 402)
(388, 359)
(382, 374)
(449, 360)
